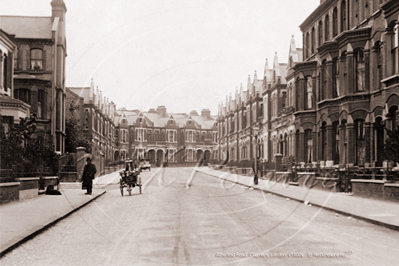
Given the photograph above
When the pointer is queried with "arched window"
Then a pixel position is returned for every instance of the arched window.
(36, 59)
(335, 142)
(394, 50)
(261, 109)
(323, 86)
(360, 69)
(320, 33)
(307, 48)
(343, 16)
(335, 22)
(308, 93)
(297, 145)
(4, 61)
(323, 133)
(284, 102)
(308, 146)
(244, 119)
(313, 41)
(344, 141)
(286, 148)
(290, 96)
(297, 93)
(124, 135)
(360, 142)
(379, 141)
(335, 77)
(327, 28)
(40, 104)
(281, 145)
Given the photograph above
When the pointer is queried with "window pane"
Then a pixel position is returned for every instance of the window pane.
(36, 54)
(36, 59)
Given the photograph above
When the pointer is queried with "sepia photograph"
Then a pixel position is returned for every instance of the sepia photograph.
(206, 132)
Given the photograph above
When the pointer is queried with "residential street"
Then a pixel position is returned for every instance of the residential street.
(205, 224)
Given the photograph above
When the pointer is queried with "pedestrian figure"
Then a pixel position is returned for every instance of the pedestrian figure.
(51, 191)
(88, 175)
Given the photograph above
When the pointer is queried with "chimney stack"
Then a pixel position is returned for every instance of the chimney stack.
(161, 110)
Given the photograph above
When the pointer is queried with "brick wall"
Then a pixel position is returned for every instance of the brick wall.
(375, 189)
(391, 192)
(9, 192)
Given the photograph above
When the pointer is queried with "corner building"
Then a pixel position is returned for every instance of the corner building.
(39, 70)
(347, 87)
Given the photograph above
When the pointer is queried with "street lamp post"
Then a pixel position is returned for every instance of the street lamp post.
(255, 132)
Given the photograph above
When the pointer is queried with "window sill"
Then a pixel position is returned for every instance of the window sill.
(392, 80)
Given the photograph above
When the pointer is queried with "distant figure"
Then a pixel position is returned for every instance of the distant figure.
(165, 164)
(88, 175)
(51, 191)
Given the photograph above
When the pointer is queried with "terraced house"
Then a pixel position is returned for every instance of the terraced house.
(239, 122)
(96, 115)
(259, 123)
(157, 135)
(347, 86)
(333, 101)
(119, 134)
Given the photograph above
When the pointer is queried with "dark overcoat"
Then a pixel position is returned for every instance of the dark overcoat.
(88, 175)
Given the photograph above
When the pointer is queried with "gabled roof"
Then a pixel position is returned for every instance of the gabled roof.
(27, 27)
(132, 118)
(203, 122)
(156, 119)
(83, 92)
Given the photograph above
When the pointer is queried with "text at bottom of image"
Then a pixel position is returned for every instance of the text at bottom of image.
(284, 255)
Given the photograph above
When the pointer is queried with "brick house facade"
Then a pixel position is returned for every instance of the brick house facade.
(96, 115)
(347, 90)
(39, 70)
(119, 134)
(333, 101)
(155, 134)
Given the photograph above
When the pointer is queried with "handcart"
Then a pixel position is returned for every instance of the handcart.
(130, 177)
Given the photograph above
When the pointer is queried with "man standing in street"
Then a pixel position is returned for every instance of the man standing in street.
(88, 175)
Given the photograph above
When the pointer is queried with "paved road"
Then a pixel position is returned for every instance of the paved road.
(205, 224)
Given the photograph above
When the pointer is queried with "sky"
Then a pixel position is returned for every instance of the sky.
(183, 54)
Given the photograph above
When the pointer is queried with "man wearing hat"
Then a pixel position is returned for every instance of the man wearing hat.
(88, 175)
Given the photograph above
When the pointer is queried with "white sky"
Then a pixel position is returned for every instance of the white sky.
(186, 55)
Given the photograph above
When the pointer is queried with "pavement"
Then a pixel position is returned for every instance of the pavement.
(22, 220)
(383, 213)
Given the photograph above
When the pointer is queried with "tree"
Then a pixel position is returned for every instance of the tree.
(390, 151)
(75, 136)
(18, 151)
(15, 140)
